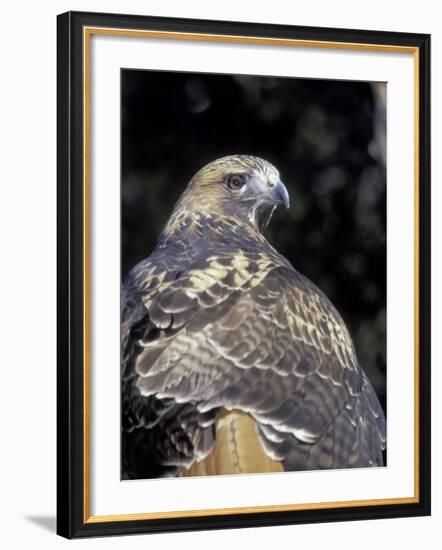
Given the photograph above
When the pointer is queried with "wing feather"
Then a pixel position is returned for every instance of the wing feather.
(247, 332)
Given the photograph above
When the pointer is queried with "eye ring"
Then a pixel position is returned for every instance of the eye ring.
(235, 181)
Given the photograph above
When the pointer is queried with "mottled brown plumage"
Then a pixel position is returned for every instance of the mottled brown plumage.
(216, 319)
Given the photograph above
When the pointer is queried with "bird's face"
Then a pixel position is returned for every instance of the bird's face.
(241, 186)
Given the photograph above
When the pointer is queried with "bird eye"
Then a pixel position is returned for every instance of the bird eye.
(235, 182)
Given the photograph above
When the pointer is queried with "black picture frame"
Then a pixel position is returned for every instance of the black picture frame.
(72, 517)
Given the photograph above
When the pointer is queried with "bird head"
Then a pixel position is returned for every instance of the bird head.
(244, 187)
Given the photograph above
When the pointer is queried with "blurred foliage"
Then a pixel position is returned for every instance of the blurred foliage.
(327, 138)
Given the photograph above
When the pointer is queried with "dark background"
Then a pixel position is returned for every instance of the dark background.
(327, 139)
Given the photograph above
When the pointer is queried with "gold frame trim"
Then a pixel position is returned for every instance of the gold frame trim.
(87, 33)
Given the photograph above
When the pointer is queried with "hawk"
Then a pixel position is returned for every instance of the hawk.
(232, 361)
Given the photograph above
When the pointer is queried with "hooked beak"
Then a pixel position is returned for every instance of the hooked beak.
(280, 195)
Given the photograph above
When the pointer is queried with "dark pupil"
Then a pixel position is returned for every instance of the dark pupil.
(235, 182)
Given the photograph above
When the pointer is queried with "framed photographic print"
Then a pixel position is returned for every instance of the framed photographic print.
(243, 274)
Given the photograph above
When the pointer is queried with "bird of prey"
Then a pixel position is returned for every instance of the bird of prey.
(232, 361)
